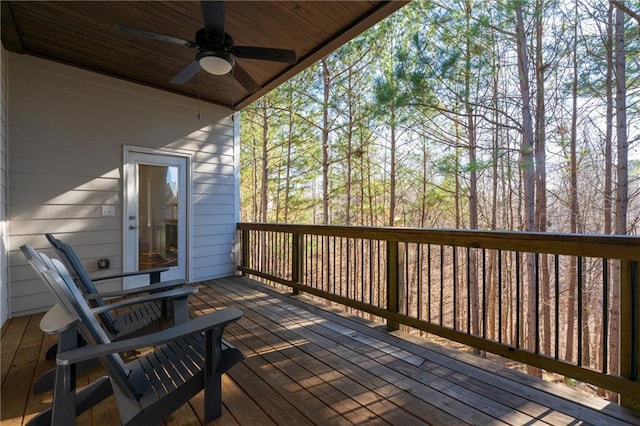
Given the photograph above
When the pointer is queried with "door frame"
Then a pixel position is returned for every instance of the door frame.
(128, 193)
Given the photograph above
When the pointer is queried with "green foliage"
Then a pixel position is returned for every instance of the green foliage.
(442, 77)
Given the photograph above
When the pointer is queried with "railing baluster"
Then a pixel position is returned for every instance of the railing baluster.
(518, 301)
(272, 261)
(362, 257)
(455, 287)
(322, 264)
(340, 275)
(348, 264)
(580, 308)
(468, 290)
(536, 272)
(371, 272)
(556, 262)
(605, 315)
(441, 286)
(418, 267)
(635, 321)
(297, 259)
(379, 274)
(429, 282)
(311, 261)
(246, 262)
(500, 292)
(484, 293)
(393, 282)
(405, 262)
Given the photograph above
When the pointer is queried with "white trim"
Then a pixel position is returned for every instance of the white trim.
(127, 177)
(5, 274)
(236, 249)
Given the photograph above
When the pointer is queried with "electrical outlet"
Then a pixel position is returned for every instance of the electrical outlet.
(108, 210)
(103, 263)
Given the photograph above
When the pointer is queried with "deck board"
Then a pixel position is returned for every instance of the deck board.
(307, 364)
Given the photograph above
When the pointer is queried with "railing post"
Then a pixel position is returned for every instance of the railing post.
(394, 281)
(630, 327)
(244, 262)
(297, 257)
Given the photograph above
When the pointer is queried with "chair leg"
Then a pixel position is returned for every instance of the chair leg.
(42, 419)
(92, 394)
(64, 393)
(180, 310)
(87, 397)
(47, 380)
(212, 398)
(51, 352)
(212, 376)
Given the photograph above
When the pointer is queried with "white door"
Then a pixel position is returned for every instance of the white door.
(155, 216)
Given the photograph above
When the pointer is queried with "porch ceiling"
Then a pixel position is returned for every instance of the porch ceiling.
(82, 34)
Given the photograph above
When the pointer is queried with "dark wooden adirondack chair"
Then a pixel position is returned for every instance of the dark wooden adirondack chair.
(186, 359)
(131, 321)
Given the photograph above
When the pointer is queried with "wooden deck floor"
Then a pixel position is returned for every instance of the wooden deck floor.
(306, 365)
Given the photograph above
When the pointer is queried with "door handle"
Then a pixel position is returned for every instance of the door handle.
(132, 227)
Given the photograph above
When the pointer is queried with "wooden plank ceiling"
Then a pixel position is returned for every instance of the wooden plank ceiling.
(83, 34)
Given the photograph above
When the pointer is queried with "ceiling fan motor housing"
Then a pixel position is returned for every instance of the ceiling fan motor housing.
(213, 44)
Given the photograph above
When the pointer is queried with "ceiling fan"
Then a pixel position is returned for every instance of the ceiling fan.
(216, 50)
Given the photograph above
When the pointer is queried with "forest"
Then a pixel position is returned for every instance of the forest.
(506, 115)
(512, 115)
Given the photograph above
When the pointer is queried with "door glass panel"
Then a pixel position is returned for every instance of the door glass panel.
(158, 216)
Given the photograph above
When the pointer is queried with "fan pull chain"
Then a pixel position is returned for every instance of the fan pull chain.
(198, 78)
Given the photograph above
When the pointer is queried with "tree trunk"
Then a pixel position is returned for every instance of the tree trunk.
(573, 196)
(622, 192)
(350, 126)
(492, 290)
(528, 169)
(473, 179)
(392, 168)
(255, 199)
(622, 189)
(608, 168)
(287, 185)
(264, 183)
(326, 86)
(425, 165)
(541, 179)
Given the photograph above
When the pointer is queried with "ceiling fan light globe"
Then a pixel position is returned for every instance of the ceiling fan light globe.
(215, 65)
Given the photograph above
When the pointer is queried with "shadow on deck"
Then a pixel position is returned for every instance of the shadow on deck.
(307, 365)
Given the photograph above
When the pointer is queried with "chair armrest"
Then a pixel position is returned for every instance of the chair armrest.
(170, 294)
(58, 320)
(149, 272)
(218, 319)
(166, 285)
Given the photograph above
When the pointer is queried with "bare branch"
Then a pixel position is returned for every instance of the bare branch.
(620, 5)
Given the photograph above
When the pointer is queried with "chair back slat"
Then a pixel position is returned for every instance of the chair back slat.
(82, 278)
(40, 264)
(55, 275)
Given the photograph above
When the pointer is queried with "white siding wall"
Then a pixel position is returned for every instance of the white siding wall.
(67, 131)
(4, 273)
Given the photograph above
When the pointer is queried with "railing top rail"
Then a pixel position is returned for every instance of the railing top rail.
(589, 245)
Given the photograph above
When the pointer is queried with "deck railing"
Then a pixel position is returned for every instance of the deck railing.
(540, 299)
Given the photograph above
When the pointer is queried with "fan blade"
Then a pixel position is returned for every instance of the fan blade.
(245, 79)
(265, 54)
(155, 36)
(187, 73)
(213, 16)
